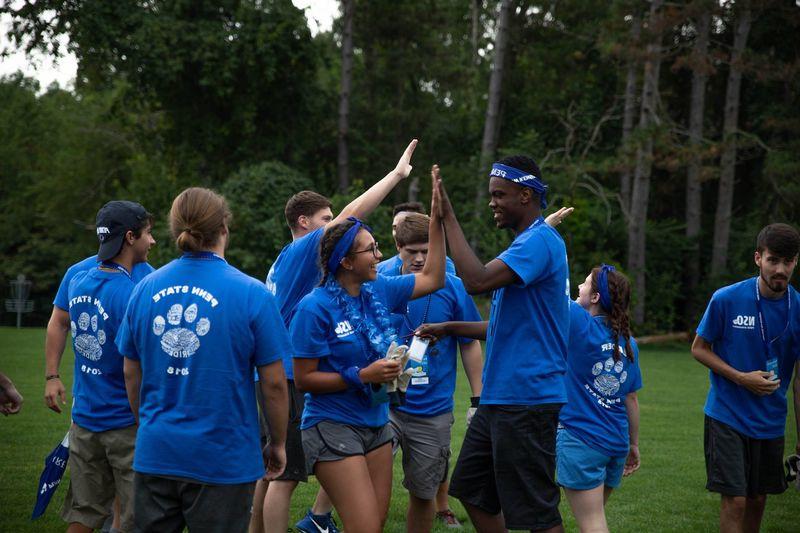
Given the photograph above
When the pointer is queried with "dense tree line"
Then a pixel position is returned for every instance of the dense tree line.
(672, 127)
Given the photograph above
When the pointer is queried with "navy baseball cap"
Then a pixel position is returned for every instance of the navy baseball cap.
(114, 220)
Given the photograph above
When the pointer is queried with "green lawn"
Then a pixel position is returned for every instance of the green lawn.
(667, 494)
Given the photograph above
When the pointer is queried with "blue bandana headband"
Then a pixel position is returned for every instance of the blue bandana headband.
(602, 286)
(345, 243)
(519, 177)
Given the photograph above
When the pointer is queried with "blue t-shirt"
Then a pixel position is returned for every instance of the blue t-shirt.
(526, 343)
(294, 274)
(321, 331)
(431, 389)
(97, 300)
(139, 271)
(597, 385)
(392, 266)
(731, 325)
(198, 326)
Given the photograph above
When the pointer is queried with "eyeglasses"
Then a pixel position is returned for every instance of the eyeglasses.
(373, 249)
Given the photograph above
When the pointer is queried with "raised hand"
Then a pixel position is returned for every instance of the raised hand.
(403, 168)
(443, 205)
(554, 219)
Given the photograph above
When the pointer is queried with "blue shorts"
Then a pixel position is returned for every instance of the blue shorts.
(580, 467)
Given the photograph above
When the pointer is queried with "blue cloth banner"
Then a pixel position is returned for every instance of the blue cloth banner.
(54, 467)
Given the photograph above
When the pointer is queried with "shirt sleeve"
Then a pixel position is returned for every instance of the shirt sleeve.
(309, 329)
(125, 339)
(271, 338)
(397, 290)
(528, 257)
(465, 310)
(62, 299)
(712, 324)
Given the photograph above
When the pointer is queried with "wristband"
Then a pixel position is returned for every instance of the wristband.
(48, 377)
(474, 401)
(350, 376)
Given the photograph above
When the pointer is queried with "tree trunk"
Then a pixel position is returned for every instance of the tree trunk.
(491, 128)
(630, 109)
(701, 68)
(475, 11)
(722, 220)
(343, 160)
(644, 161)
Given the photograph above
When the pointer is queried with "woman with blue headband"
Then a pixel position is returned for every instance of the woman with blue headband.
(342, 334)
(598, 437)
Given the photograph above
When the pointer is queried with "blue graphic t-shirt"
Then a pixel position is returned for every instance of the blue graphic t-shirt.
(97, 300)
(139, 271)
(294, 274)
(321, 331)
(597, 385)
(526, 343)
(198, 326)
(431, 389)
(392, 266)
(732, 326)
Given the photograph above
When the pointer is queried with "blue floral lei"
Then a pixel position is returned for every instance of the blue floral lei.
(376, 328)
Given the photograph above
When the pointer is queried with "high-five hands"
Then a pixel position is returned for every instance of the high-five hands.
(403, 168)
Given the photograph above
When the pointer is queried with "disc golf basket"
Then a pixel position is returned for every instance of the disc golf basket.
(19, 302)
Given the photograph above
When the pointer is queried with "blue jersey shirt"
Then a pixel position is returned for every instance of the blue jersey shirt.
(732, 326)
(392, 266)
(597, 384)
(294, 274)
(97, 300)
(139, 271)
(321, 331)
(526, 343)
(198, 326)
(431, 389)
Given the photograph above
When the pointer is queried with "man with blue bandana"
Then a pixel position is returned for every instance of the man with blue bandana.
(505, 474)
(749, 339)
(294, 274)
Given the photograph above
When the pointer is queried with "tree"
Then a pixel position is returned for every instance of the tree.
(343, 161)
(640, 196)
(722, 219)
(701, 67)
(630, 104)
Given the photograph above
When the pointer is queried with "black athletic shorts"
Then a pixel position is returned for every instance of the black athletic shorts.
(738, 465)
(508, 463)
(168, 505)
(295, 458)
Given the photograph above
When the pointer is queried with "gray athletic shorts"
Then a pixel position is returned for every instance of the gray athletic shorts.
(333, 441)
(425, 441)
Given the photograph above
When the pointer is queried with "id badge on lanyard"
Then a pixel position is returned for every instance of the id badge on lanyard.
(772, 360)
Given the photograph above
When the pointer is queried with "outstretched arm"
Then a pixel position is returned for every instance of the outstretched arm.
(470, 330)
(477, 277)
(365, 204)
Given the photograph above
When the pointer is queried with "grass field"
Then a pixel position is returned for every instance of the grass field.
(667, 494)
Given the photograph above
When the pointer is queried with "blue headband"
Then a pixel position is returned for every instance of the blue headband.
(521, 178)
(602, 286)
(345, 243)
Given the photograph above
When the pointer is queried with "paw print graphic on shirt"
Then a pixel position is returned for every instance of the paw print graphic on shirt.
(89, 337)
(184, 340)
(609, 376)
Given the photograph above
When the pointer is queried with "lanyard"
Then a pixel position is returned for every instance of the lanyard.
(763, 324)
(203, 255)
(406, 321)
(111, 265)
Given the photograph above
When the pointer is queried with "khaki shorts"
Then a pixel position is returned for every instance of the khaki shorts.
(101, 467)
(425, 441)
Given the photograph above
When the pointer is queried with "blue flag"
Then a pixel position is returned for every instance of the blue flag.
(54, 467)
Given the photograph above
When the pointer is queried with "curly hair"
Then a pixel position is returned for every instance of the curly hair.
(618, 320)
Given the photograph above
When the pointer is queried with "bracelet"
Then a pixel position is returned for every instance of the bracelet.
(48, 377)
(350, 376)
(474, 401)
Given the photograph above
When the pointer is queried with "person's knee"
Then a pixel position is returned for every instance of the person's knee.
(734, 505)
(756, 502)
(281, 489)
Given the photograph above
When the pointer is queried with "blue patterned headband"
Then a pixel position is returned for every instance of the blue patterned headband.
(519, 177)
(602, 286)
(345, 243)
